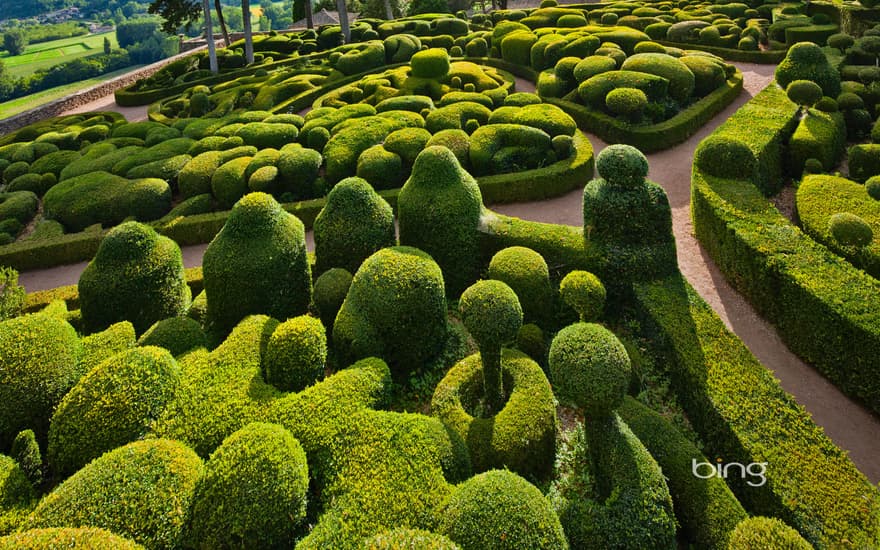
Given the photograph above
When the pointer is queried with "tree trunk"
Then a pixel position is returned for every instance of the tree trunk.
(219, 9)
(309, 23)
(343, 20)
(209, 37)
(388, 13)
(248, 31)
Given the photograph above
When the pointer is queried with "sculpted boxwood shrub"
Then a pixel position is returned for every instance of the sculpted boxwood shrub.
(176, 334)
(330, 290)
(456, 140)
(526, 272)
(760, 532)
(19, 205)
(806, 61)
(137, 275)
(26, 452)
(263, 135)
(253, 492)
(681, 79)
(380, 167)
(150, 506)
(584, 293)
(228, 183)
(594, 90)
(430, 63)
(850, 230)
(626, 101)
(407, 143)
(296, 354)
(354, 223)
(87, 538)
(17, 497)
(38, 366)
(298, 169)
(257, 264)
(113, 404)
(400, 538)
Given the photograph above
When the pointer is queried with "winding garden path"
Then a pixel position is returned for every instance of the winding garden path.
(849, 425)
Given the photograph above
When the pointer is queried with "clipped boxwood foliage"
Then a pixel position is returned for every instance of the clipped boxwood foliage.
(253, 492)
(526, 272)
(178, 335)
(85, 538)
(681, 79)
(330, 290)
(807, 61)
(113, 404)
(17, 497)
(296, 354)
(18, 205)
(137, 275)
(760, 532)
(401, 538)
(149, 507)
(354, 223)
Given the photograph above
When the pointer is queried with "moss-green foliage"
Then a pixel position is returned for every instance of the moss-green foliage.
(263, 135)
(863, 161)
(499, 509)
(110, 406)
(178, 335)
(706, 509)
(805, 93)
(850, 230)
(355, 136)
(26, 452)
(583, 292)
(456, 115)
(407, 143)
(820, 136)
(526, 272)
(806, 61)
(430, 63)
(38, 356)
(253, 492)
(363, 57)
(18, 205)
(163, 150)
(760, 532)
(102, 345)
(521, 436)
(681, 79)
(709, 73)
(298, 169)
(296, 354)
(354, 223)
(15, 170)
(330, 290)
(85, 538)
(142, 491)
(456, 140)
(439, 210)
(198, 204)
(501, 148)
(195, 178)
(634, 510)
(228, 182)
(626, 101)
(516, 46)
(54, 163)
(257, 264)
(594, 89)
(402, 538)
(99, 197)
(36, 183)
(401, 47)
(872, 186)
(165, 169)
(17, 497)
(395, 309)
(380, 167)
(137, 275)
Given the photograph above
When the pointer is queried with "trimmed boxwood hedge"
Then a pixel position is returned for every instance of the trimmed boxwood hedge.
(743, 415)
(85, 538)
(522, 435)
(401, 538)
(17, 497)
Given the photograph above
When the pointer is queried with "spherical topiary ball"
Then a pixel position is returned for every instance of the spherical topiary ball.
(626, 101)
(760, 533)
(253, 493)
(872, 186)
(500, 510)
(491, 312)
(430, 63)
(827, 105)
(850, 230)
(136, 276)
(589, 368)
(296, 354)
(584, 293)
(526, 272)
(329, 293)
(804, 92)
(813, 166)
(405, 539)
(176, 334)
(622, 165)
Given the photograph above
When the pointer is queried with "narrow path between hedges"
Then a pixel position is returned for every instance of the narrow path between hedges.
(847, 423)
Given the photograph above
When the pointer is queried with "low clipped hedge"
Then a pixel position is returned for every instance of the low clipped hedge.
(820, 136)
(827, 311)
(521, 437)
(765, 57)
(743, 415)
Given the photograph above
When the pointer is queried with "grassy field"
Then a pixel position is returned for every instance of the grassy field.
(47, 54)
(15, 106)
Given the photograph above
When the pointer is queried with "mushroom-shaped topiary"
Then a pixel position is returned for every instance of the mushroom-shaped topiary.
(492, 314)
(589, 368)
(296, 354)
(584, 293)
(498, 510)
(840, 41)
(329, 293)
(253, 493)
(758, 533)
(354, 223)
(137, 275)
(850, 230)
(402, 538)
(256, 264)
(526, 272)
(805, 93)
(807, 61)
(622, 165)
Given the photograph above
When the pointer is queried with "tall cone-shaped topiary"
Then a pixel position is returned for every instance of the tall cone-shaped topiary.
(256, 264)
(438, 212)
(137, 275)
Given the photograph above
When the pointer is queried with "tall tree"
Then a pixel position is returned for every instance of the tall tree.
(209, 37)
(343, 20)
(219, 9)
(7, 85)
(183, 13)
(14, 41)
(248, 31)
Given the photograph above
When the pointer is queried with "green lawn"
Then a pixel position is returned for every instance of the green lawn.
(15, 106)
(47, 54)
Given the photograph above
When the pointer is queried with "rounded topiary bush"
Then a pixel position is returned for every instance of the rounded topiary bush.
(850, 230)
(257, 264)
(17, 497)
(499, 509)
(380, 167)
(626, 101)
(430, 63)
(137, 275)
(584, 293)
(806, 61)
(589, 368)
(395, 309)
(526, 272)
(724, 157)
(176, 334)
(681, 79)
(354, 223)
(38, 365)
(26, 452)
(758, 533)
(403, 538)
(150, 507)
(329, 293)
(622, 165)
(872, 186)
(253, 492)
(805, 93)
(296, 354)
(85, 538)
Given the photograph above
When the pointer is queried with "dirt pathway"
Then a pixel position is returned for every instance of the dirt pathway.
(849, 425)
(108, 103)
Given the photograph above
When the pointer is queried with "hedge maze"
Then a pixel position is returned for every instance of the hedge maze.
(435, 374)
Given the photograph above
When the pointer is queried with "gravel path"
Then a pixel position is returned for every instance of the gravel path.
(849, 425)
